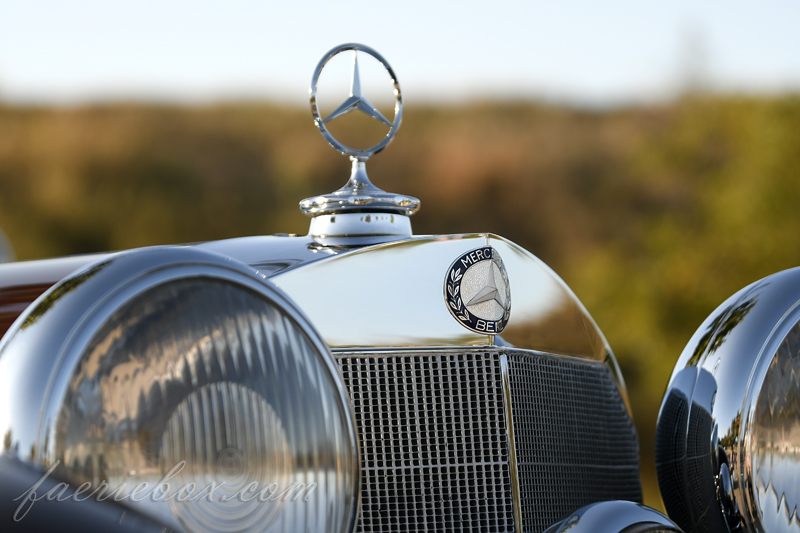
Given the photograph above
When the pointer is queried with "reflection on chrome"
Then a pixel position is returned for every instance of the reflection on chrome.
(173, 371)
(615, 517)
(775, 445)
(392, 295)
(731, 415)
(199, 371)
(356, 101)
(685, 460)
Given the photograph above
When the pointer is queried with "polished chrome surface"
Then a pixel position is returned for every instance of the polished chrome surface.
(22, 282)
(390, 295)
(358, 195)
(270, 254)
(737, 382)
(356, 101)
(547, 316)
(440, 428)
(687, 464)
(167, 353)
(44, 271)
(615, 517)
(385, 295)
(346, 225)
(772, 415)
(397, 300)
(512, 449)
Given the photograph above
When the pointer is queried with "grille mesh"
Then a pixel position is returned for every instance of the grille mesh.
(433, 442)
(575, 442)
(434, 448)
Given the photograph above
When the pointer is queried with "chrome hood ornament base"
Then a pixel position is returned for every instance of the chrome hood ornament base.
(359, 196)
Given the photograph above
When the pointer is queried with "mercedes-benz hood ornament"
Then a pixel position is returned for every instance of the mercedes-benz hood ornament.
(358, 208)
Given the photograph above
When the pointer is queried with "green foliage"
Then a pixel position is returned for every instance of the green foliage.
(653, 215)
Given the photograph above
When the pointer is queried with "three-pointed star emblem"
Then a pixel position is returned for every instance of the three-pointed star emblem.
(489, 290)
(357, 100)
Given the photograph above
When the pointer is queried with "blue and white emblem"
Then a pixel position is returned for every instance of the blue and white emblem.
(477, 291)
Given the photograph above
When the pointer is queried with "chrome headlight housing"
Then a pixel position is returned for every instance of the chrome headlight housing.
(728, 433)
(182, 384)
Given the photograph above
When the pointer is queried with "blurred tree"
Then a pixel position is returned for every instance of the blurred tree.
(654, 215)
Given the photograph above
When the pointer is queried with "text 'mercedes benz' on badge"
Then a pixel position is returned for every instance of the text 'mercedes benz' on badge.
(477, 291)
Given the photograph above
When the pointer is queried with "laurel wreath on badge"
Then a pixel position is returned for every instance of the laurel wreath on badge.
(487, 289)
(453, 297)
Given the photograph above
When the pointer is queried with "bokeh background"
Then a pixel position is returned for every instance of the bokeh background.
(649, 153)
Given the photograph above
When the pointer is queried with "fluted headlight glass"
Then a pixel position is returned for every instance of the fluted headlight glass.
(204, 404)
(775, 442)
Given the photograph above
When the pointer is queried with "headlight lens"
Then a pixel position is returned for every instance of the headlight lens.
(227, 432)
(214, 402)
(775, 442)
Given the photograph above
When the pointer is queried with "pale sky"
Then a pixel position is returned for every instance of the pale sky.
(594, 53)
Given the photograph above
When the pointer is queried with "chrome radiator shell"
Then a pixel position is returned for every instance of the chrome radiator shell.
(486, 438)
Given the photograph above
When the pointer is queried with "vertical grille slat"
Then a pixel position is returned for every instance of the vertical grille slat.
(434, 445)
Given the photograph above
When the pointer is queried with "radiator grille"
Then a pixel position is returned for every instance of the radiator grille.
(434, 446)
(433, 442)
(575, 442)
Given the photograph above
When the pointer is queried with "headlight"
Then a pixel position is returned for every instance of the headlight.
(197, 393)
(728, 434)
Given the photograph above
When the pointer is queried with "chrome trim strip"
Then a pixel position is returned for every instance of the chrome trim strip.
(407, 351)
(512, 450)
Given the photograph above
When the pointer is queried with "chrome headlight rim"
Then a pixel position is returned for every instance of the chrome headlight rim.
(54, 332)
(746, 491)
(722, 371)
